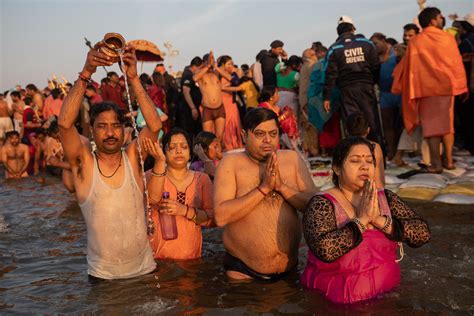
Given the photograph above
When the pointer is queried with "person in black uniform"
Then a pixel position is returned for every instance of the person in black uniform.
(352, 66)
(270, 60)
(187, 115)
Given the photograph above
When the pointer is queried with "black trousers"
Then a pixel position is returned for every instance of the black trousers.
(184, 119)
(360, 97)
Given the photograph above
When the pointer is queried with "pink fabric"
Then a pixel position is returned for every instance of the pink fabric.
(361, 274)
(232, 138)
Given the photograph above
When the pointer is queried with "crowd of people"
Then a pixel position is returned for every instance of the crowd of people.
(226, 146)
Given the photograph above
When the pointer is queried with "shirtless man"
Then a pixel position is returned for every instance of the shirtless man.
(15, 157)
(37, 97)
(5, 120)
(18, 107)
(256, 197)
(213, 113)
(108, 182)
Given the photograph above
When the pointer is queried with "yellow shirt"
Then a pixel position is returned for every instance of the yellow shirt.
(251, 94)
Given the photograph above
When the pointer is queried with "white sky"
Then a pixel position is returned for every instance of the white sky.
(41, 38)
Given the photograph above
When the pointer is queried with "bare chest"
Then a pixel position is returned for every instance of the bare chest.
(15, 153)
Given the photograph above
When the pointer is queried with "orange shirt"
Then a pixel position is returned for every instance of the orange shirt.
(188, 245)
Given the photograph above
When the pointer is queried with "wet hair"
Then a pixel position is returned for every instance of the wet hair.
(176, 131)
(55, 93)
(266, 93)
(31, 86)
(15, 94)
(11, 134)
(204, 139)
(196, 61)
(392, 41)
(259, 115)
(53, 128)
(427, 15)
(342, 150)
(411, 26)
(111, 73)
(28, 100)
(344, 28)
(104, 107)
(356, 124)
(293, 61)
(223, 60)
(379, 36)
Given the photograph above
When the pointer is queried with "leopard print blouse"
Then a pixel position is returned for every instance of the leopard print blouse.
(328, 243)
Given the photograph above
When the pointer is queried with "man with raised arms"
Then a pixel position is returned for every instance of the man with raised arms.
(213, 113)
(256, 197)
(108, 182)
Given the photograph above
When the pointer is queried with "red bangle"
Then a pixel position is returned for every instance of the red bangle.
(261, 191)
(84, 78)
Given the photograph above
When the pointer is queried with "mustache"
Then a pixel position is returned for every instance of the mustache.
(110, 138)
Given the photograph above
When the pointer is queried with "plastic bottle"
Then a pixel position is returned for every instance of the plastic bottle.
(169, 230)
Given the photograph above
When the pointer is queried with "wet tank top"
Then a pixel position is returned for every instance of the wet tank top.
(117, 243)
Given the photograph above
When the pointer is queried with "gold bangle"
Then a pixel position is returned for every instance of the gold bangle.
(193, 219)
(387, 224)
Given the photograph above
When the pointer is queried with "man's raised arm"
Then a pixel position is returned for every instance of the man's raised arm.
(150, 114)
(70, 137)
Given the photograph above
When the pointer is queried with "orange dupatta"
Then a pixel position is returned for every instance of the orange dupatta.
(432, 66)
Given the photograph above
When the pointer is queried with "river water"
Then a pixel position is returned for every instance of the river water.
(43, 269)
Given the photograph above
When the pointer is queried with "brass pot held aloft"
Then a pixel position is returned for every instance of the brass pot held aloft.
(114, 45)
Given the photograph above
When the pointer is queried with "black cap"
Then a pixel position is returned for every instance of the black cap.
(276, 43)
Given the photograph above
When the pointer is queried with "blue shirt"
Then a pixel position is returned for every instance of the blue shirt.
(387, 98)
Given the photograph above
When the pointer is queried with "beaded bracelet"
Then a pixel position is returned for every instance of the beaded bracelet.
(359, 224)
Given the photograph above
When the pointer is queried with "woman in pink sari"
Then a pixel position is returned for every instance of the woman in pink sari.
(232, 138)
(352, 230)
